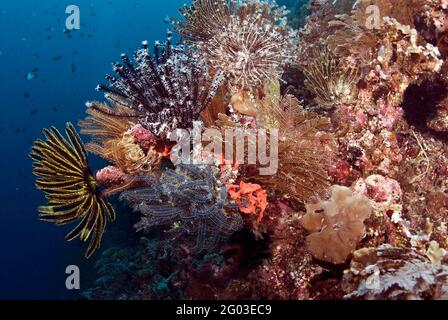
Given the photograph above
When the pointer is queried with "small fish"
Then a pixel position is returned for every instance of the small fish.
(26, 95)
(30, 76)
(57, 58)
(34, 112)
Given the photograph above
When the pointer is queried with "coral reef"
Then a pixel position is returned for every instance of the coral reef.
(352, 112)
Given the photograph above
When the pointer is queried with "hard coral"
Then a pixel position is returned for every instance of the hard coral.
(336, 225)
(143, 137)
(379, 188)
(110, 176)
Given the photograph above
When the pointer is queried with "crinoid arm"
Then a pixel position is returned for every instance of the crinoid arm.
(191, 195)
(70, 187)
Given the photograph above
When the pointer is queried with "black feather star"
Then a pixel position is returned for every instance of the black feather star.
(190, 195)
(168, 91)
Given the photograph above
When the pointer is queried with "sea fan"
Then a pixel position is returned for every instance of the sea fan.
(69, 186)
(167, 91)
(402, 10)
(192, 196)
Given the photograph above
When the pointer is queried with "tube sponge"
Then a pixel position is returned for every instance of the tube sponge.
(336, 225)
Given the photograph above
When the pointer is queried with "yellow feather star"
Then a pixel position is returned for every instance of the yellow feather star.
(70, 187)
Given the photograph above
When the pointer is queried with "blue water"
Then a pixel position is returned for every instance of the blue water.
(34, 254)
